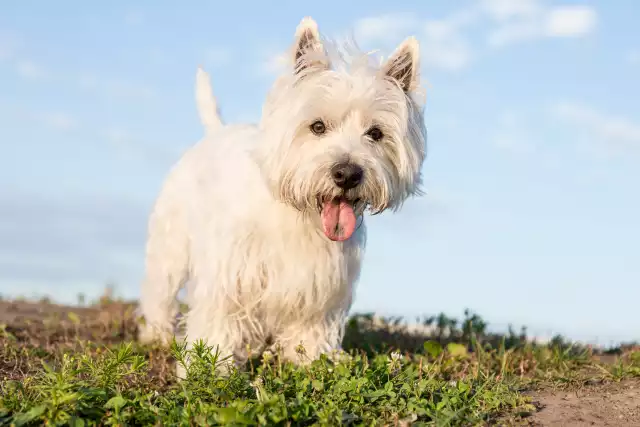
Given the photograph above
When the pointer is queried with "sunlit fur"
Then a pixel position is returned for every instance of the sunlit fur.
(239, 215)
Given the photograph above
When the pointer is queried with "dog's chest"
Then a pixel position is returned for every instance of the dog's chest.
(292, 270)
(300, 255)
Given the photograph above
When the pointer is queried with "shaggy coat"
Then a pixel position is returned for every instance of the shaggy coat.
(266, 221)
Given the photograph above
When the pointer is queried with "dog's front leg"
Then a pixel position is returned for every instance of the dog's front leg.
(223, 334)
(303, 342)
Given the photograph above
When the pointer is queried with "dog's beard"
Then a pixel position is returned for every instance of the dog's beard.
(338, 212)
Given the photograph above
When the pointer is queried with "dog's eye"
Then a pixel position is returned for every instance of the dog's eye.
(318, 127)
(375, 133)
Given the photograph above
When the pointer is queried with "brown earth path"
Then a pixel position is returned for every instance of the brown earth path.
(610, 404)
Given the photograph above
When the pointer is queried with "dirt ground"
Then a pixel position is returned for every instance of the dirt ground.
(15, 312)
(613, 404)
(599, 404)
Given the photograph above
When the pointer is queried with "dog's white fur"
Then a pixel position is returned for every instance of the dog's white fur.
(238, 215)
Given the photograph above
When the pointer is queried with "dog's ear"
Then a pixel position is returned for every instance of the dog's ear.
(308, 51)
(404, 66)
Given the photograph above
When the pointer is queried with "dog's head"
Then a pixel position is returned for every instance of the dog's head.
(342, 135)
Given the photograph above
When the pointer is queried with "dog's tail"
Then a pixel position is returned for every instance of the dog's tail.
(206, 102)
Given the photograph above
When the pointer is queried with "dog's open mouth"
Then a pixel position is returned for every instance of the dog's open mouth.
(338, 218)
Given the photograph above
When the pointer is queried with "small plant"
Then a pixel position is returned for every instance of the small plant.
(86, 369)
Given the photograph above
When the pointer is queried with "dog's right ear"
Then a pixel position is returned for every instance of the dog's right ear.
(308, 50)
(403, 65)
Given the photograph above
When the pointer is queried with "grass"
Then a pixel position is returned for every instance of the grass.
(84, 368)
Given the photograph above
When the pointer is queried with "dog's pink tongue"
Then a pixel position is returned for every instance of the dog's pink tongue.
(338, 220)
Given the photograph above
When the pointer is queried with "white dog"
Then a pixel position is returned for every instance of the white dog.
(265, 221)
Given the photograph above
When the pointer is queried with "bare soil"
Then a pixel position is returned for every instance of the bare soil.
(45, 324)
(611, 404)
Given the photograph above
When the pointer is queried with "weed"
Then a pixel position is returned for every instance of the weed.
(81, 366)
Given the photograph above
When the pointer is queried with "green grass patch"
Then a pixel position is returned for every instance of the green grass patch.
(78, 372)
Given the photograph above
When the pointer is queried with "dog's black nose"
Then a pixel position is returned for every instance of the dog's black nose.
(347, 175)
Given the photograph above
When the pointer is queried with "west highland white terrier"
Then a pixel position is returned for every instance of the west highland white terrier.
(265, 221)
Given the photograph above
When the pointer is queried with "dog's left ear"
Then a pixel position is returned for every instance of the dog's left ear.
(404, 66)
(308, 50)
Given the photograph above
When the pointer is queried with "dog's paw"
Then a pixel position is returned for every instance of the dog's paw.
(149, 334)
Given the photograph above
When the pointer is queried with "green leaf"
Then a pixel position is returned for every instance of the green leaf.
(455, 349)
(433, 348)
(317, 385)
(76, 422)
(230, 415)
(73, 317)
(30, 416)
(116, 402)
(463, 387)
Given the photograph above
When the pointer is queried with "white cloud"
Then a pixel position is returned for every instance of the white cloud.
(570, 21)
(513, 33)
(11, 48)
(30, 70)
(53, 120)
(375, 29)
(444, 46)
(529, 20)
(443, 41)
(617, 131)
(100, 85)
(274, 62)
(447, 42)
(508, 10)
(59, 121)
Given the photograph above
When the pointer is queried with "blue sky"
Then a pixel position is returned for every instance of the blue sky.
(532, 214)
